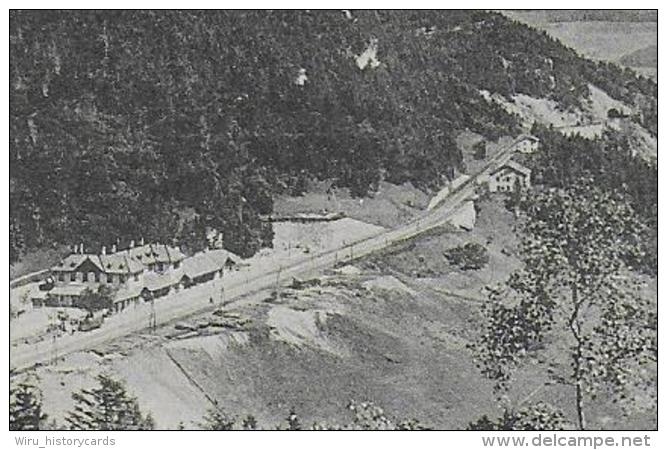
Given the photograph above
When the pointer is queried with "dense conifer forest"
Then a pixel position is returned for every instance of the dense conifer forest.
(164, 124)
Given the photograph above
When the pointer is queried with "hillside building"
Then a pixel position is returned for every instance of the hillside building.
(159, 258)
(508, 177)
(527, 144)
(81, 271)
(147, 271)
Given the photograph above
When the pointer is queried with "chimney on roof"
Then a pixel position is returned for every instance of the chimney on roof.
(132, 243)
(81, 249)
(104, 250)
(142, 242)
(76, 248)
(113, 248)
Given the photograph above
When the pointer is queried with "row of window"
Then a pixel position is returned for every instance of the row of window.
(511, 180)
(161, 267)
(94, 277)
(508, 178)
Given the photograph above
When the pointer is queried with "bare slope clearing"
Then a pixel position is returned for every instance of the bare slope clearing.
(396, 349)
(589, 122)
(405, 352)
(316, 237)
(151, 375)
(547, 112)
(390, 206)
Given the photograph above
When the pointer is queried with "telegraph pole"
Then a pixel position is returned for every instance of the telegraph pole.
(278, 282)
(152, 320)
(54, 339)
(55, 349)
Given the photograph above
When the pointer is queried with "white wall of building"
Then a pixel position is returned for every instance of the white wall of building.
(505, 179)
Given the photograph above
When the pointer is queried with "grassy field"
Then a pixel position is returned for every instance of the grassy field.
(598, 39)
(610, 40)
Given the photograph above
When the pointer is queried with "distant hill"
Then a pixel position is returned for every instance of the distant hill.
(645, 57)
(601, 35)
(589, 15)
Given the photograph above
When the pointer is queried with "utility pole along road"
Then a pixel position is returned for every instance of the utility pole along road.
(239, 285)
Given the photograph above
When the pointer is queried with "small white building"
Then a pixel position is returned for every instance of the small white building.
(507, 177)
(368, 58)
(527, 144)
(301, 78)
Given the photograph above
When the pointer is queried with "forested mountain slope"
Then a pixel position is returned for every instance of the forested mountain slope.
(163, 124)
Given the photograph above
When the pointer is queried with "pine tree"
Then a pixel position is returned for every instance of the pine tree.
(249, 423)
(107, 407)
(93, 301)
(16, 241)
(531, 417)
(25, 408)
(293, 422)
(217, 420)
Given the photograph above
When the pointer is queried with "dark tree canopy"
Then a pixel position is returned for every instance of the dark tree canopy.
(469, 256)
(93, 301)
(609, 164)
(107, 407)
(25, 408)
(160, 124)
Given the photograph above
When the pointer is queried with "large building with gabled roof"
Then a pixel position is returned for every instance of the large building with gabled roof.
(146, 271)
(123, 271)
(157, 257)
(111, 269)
(80, 271)
(508, 177)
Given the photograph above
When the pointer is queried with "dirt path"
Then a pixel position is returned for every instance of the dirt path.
(191, 380)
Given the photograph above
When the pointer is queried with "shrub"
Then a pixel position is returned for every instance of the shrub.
(479, 150)
(470, 256)
(533, 417)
